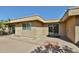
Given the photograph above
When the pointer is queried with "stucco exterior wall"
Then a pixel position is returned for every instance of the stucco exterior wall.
(18, 29)
(77, 29)
(70, 28)
(45, 29)
(62, 29)
(38, 30)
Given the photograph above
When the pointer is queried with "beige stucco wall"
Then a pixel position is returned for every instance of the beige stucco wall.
(45, 29)
(37, 31)
(62, 29)
(77, 29)
(70, 28)
(18, 29)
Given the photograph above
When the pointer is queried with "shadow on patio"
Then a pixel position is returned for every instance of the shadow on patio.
(62, 38)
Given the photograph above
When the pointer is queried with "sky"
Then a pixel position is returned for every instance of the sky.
(47, 12)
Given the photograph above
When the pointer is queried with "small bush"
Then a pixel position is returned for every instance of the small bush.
(2, 32)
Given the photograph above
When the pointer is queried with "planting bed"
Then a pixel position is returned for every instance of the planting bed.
(52, 49)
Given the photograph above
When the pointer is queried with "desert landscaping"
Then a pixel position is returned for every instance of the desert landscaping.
(34, 34)
(20, 44)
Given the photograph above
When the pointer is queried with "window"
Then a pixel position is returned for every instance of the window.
(56, 28)
(53, 28)
(50, 29)
(24, 26)
(27, 26)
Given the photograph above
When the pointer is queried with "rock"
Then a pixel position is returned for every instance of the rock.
(52, 49)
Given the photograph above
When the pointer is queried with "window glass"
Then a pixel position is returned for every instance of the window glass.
(27, 26)
(53, 28)
(24, 26)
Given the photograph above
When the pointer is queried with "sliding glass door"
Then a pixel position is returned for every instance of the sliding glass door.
(53, 29)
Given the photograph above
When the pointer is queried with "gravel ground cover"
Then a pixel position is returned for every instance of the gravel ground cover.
(53, 49)
(20, 44)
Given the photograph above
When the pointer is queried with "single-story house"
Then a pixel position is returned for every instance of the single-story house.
(36, 27)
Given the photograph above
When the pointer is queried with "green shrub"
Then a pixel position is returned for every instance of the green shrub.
(1, 32)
